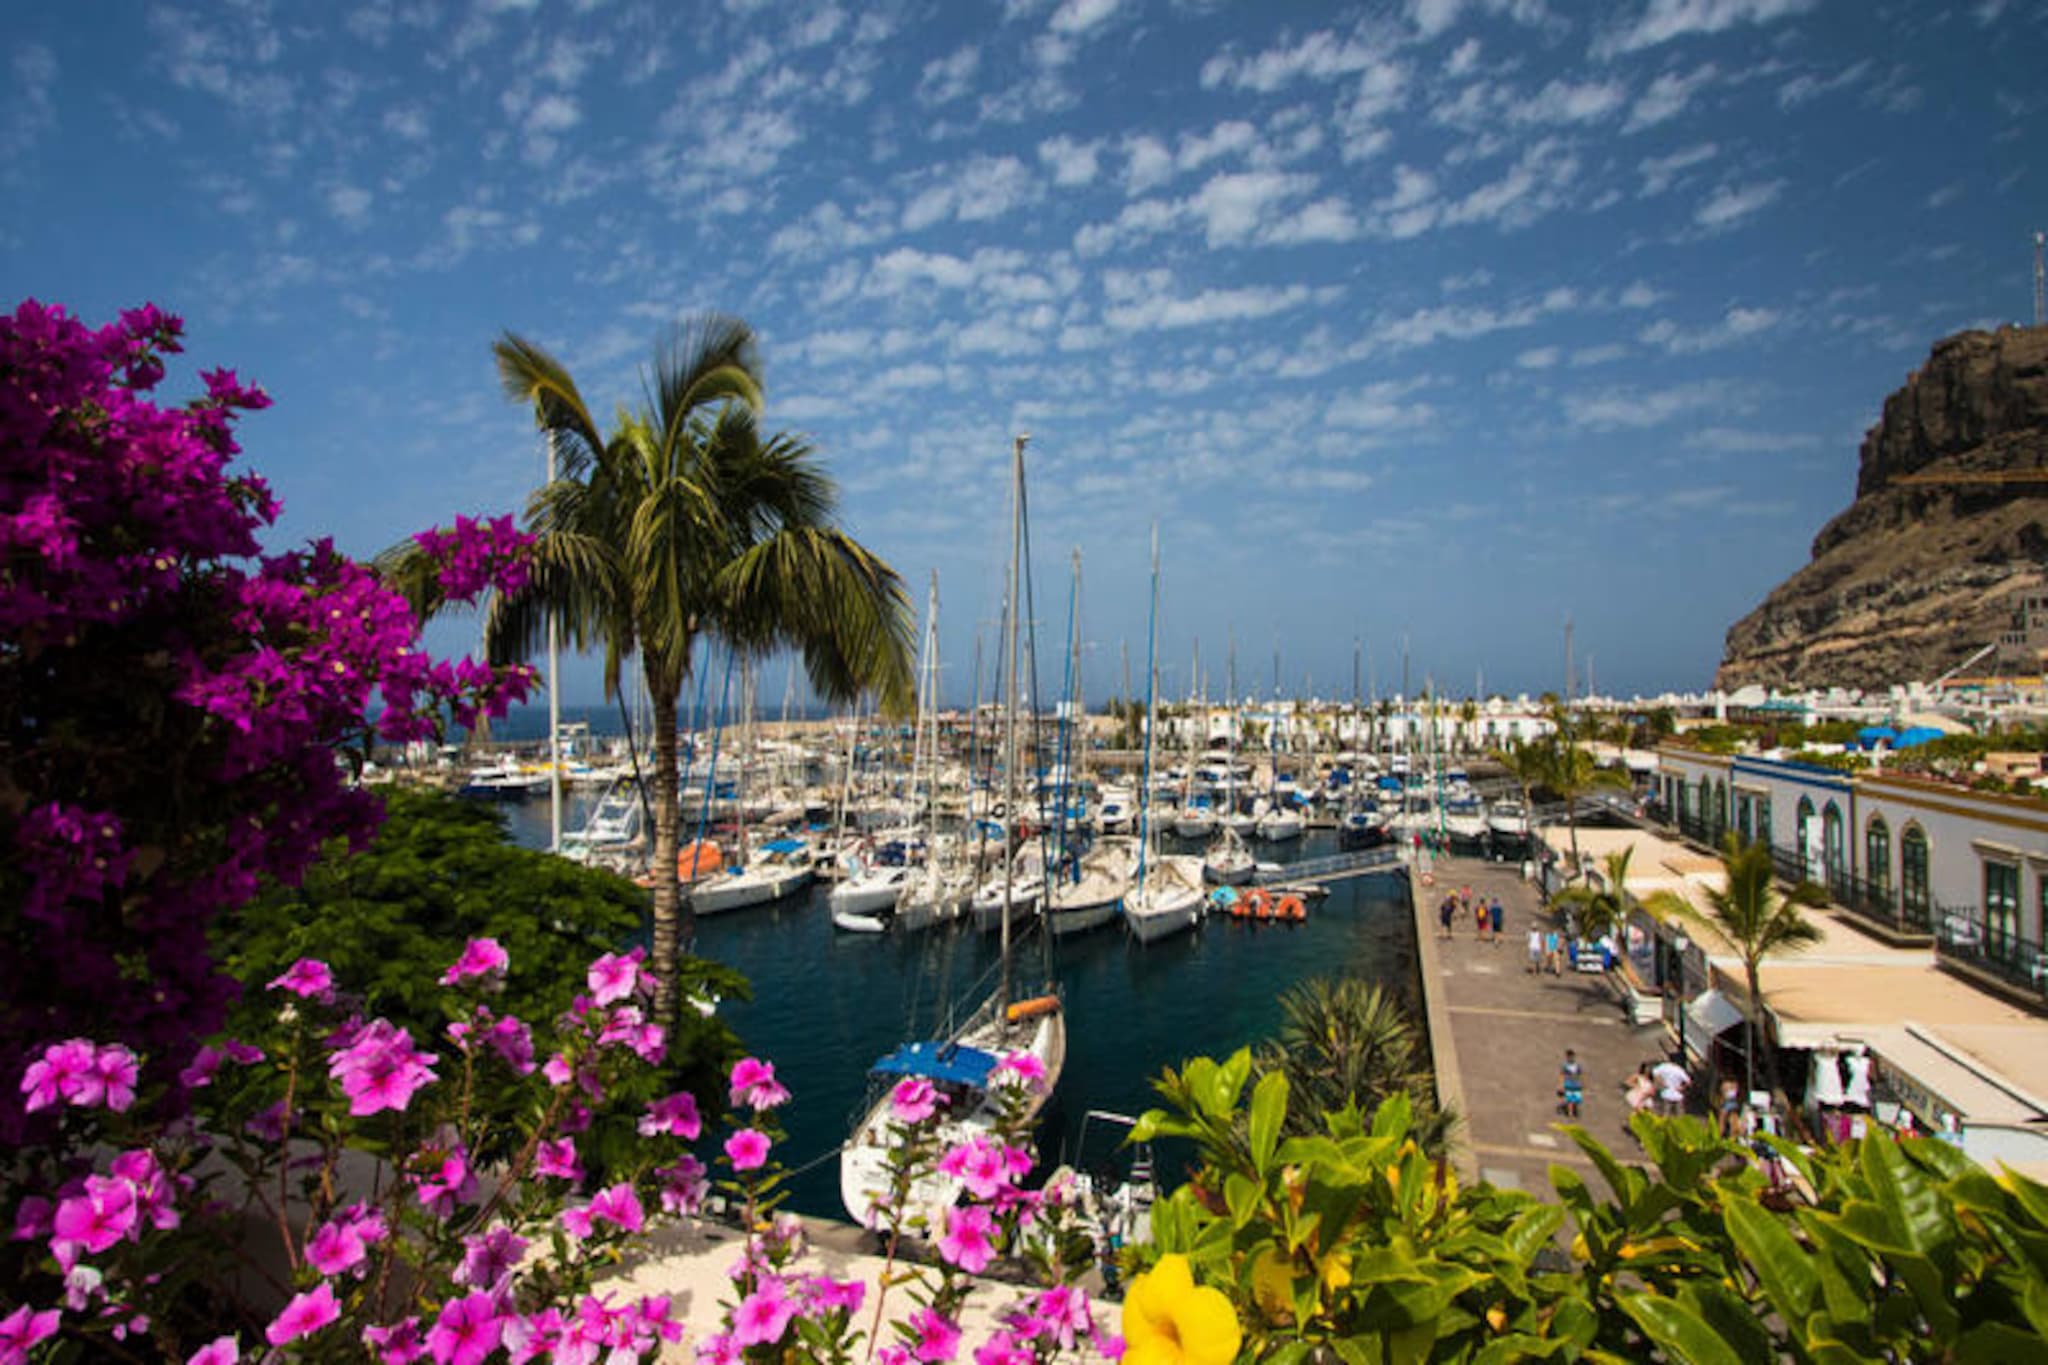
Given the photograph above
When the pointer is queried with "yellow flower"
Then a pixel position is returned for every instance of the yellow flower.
(1169, 1320)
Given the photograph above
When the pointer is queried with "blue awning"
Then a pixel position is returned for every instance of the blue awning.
(1919, 734)
(940, 1062)
(1872, 733)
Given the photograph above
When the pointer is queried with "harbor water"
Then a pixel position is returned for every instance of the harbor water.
(828, 1004)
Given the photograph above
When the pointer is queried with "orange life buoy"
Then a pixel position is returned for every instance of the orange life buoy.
(1290, 907)
(1032, 1008)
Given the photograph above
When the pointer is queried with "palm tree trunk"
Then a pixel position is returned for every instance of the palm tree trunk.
(1752, 1024)
(670, 927)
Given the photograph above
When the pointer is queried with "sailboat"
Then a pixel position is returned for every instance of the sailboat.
(963, 1064)
(1168, 896)
(938, 892)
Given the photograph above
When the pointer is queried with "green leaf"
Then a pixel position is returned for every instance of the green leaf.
(1682, 1333)
(1998, 1343)
(1243, 1195)
(1910, 1201)
(1626, 1182)
(1782, 1267)
(1269, 1107)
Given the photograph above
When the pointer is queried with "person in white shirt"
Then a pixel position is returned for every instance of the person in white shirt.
(1672, 1081)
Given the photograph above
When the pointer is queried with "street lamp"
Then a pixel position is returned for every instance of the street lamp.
(1680, 944)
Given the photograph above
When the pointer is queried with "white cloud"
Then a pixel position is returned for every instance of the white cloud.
(950, 77)
(1570, 102)
(1232, 206)
(1464, 57)
(1378, 407)
(1320, 56)
(408, 123)
(1732, 203)
(1432, 17)
(1635, 409)
(1660, 173)
(1537, 184)
(1072, 163)
(1665, 20)
(1539, 358)
(1946, 195)
(1079, 16)
(1603, 354)
(1801, 89)
(350, 203)
(553, 114)
(828, 230)
(1666, 98)
(980, 188)
(28, 112)
(1144, 301)
(1147, 164)
(1640, 295)
(1736, 325)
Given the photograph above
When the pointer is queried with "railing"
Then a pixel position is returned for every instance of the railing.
(1338, 865)
(1961, 936)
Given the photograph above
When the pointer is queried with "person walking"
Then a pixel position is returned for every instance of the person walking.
(1672, 1082)
(1572, 1083)
(1495, 916)
(1639, 1092)
(1443, 914)
(1552, 952)
(1731, 1107)
(1535, 950)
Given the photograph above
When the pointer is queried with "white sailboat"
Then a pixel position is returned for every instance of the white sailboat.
(964, 1064)
(1228, 860)
(1168, 895)
(938, 892)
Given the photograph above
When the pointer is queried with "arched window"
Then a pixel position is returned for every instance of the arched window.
(1877, 857)
(1804, 836)
(1913, 856)
(1834, 850)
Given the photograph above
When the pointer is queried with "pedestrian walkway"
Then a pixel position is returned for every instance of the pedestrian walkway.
(1505, 1032)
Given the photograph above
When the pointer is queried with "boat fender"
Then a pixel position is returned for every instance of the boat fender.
(1290, 907)
(1032, 1008)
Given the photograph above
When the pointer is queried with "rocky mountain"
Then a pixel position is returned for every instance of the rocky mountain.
(1920, 571)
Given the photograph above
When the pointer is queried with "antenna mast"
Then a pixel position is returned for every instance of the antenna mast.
(2040, 281)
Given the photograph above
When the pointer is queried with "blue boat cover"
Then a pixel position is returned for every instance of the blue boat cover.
(1390, 784)
(940, 1062)
(783, 846)
(1916, 736)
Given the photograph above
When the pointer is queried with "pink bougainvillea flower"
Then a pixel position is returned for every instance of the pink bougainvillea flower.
(489, 1258)
(380, 1069)
(512, 1040)
(467, 1331)
(443, 1186)
(557, 1158)
(558, 1072)
(23, 1328)
(938, 1337)
(219, 1351)
(1003, 1348)
(747, 1149)
(969, 1240)
(827, 1294)
(480, 957)
(57, 1074)
(398, 1344)
(114, 1067)
(683, 1184)
(579, 1223)
(762, 1316)
(677, 1115)
(719, 1349)
(914, 1100)
(308, 978)
(986, 1165)
(614, 976)
(754, 1085)
(305, 1314)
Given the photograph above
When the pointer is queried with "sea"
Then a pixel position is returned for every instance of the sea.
(828, 1004)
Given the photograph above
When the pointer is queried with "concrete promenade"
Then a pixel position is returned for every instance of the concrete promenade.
(1498, 1035)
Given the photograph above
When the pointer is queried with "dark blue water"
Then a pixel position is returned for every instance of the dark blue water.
(827, 1004)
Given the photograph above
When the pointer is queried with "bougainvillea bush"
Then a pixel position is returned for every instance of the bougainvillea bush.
(176, 707)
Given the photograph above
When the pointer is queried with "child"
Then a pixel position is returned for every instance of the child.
(1574, 1083)
(1496, 916)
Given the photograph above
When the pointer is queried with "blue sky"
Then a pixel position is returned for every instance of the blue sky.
(1438, 321)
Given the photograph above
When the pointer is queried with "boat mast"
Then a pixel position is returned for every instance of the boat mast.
(1011, 614)
(1145, 831)
(554, 705)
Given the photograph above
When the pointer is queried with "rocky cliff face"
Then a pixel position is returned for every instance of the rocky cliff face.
(1948, 525)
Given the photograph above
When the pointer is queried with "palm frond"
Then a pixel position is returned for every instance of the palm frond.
(707, 360)
(824, 594)
(530, 375)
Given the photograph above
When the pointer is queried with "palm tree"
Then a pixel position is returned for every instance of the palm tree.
(1344, 1041)
(1571, 773)
(1602, 911)
(684, 524)
(1757, 921)
(1527, 761)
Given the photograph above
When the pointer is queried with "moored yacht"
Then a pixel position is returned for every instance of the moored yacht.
(777, 869)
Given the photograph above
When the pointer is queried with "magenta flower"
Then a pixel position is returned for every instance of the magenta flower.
(308, 978)
(305, 1314)
(718, 1349)
(558, 1072)
(450, 1183)
(938, 1337)
(334, 1248)
(490, 1257)
(683, 1185)
(480, 957)
(754, 1085)
(219, 1351)
(467, 1331)
(827, 1294)
(969, 1240)
(380, 1069)
(58, 1074)
(1025, 1066)
(762, 1316)
(987, 1166)
(23, 1328)
(914, 1100)
(398, 1344)
(677, 1115)
(512, 1040)
(614, 976)
(620, 1206)
(557, 1158)
(747, 1149)
(98, 1218)
(115, 1071)
(1003, 1348)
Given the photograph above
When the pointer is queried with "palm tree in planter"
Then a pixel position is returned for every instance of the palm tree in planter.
(1346, 1041)
(1755, 919)
(1603, 909)
(685, 523)
(1570, 772)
